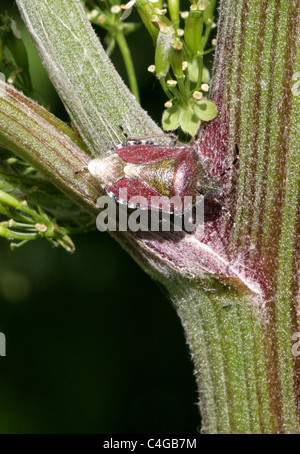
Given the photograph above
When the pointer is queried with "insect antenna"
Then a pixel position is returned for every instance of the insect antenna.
(172, 136)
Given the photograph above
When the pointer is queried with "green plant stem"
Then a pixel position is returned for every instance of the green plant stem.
(7, 233)
(126, 54)
(200, 70)
(84, 76)
(183, 91)
(265, 124)
(165, 88)
(173, 7)
(224, 333)
(206, 36)
(238, 301)
(208, 26)
(145, 10)
(41, 140)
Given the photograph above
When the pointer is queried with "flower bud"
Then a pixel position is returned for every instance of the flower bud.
(168, 104)
(177, 58)
(193, 31)
(151, 69)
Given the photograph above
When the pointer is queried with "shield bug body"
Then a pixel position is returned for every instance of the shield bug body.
(157, 173)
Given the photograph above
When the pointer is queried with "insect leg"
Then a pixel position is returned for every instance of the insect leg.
(123, 132)
(225, 210)
(140, 140)
(233, 162)
(81, 170)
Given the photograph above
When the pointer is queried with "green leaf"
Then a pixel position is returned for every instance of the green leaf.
(170, 119)
(205, 110)
(193, 70)
(189, 121)
(205, 75)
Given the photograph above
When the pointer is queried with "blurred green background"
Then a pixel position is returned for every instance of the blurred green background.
(93, 345)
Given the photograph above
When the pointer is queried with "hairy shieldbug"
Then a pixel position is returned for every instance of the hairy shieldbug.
(142, 168)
